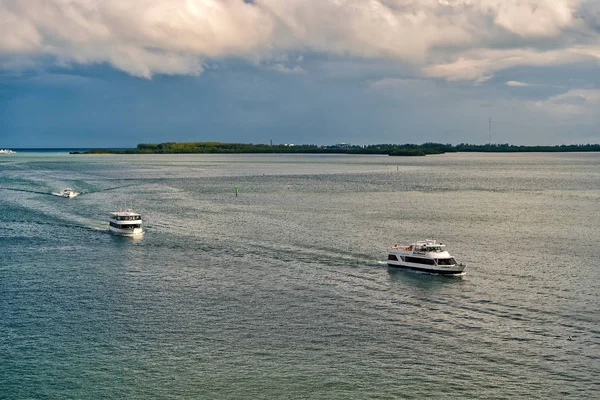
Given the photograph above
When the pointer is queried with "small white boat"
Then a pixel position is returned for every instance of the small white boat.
(68, 193)
(125, 223)
(7, 151)
(425, 256)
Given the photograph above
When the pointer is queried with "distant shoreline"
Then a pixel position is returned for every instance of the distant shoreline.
(71, 150)
(402, 150)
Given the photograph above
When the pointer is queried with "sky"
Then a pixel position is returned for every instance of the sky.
(115, 73)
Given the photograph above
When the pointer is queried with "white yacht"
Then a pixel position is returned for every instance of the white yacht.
(126, 223)
(68, 193)
(425, 256)
(7, 151)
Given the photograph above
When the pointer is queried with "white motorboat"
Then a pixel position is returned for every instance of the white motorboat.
(68, 193)
(425, 256)
(125, 223)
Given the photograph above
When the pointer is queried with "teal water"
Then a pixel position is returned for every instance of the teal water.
(283, 292)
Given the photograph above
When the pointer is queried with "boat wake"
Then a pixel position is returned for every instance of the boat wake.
(26, 190)
(61, 194)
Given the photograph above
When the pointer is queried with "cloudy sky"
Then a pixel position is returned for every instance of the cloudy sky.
(114, 73)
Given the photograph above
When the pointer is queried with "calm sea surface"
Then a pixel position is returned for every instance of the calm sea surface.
(283, 292)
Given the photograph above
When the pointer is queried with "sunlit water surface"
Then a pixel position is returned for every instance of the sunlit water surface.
(283, 291)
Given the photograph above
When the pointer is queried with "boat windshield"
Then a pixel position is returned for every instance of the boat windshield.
(433, 248)
(445, 261)
(127, 217)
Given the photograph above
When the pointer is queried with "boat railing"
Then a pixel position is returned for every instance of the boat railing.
(418, 249)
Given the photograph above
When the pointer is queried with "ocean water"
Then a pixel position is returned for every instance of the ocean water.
(283, 291)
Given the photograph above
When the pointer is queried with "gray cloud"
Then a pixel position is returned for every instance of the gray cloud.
(455, 40)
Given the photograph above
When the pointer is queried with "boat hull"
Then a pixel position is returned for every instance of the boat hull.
(455, 270)
(66, 195)
(126, 232)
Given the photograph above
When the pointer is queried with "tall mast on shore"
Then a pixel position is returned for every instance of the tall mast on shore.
(490, 130)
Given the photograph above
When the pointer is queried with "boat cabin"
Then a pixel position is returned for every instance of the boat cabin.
(125, 220)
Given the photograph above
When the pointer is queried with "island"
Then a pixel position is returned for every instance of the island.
(403, 150)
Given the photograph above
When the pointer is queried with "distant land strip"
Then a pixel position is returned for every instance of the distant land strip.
(389, 149)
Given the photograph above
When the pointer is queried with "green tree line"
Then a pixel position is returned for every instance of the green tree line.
(389, 149)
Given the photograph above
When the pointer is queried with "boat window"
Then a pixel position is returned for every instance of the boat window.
(446, 261)
(127, 226)
(127, 217)
(417, 260)
(132, 226)
(392, 257)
